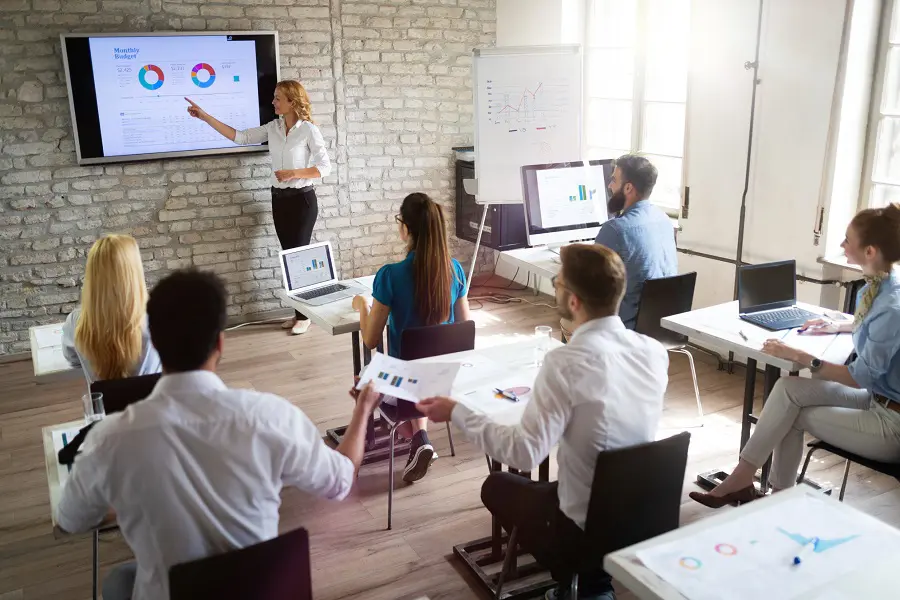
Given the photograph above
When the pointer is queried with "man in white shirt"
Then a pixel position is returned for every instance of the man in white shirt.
(604, 390)
(196, 469)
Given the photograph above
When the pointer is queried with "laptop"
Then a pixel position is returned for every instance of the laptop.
(308, 275)
(767, 296)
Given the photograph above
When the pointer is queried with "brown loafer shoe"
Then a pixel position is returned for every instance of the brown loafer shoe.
(742, 496)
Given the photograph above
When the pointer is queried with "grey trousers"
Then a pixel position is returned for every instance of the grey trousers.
(119, 584)
(845, 417)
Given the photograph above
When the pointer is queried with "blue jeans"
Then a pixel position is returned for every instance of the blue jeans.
(119, 584)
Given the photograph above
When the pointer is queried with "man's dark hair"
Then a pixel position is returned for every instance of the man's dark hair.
(186, 312)
(596, 275)
(639, 172)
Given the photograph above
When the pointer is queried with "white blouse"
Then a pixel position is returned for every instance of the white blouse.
(303, 147)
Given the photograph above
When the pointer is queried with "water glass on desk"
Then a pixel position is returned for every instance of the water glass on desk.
(543, 335)
(93, 407)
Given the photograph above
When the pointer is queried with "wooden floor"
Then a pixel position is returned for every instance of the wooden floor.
(352, 554)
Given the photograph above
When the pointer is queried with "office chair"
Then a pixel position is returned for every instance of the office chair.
(639, 509)
(277, 569)
(661, 298)
(892, 469)
(416, 343)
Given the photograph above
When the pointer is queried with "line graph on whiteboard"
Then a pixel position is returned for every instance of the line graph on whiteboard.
(540, 105)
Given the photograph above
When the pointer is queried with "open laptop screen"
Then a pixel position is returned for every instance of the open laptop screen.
(307, 266)
(767, 286)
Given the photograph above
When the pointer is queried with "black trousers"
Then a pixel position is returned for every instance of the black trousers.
(294, 211)
(552, 538)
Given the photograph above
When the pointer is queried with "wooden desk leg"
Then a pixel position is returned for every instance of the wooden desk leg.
(357, 367)
(772, 376)
(95, 562)
(749, 391)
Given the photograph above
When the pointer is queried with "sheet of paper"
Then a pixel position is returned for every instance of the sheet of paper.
(47, 337)
(751, 556)
(817, 345)
(411, 381)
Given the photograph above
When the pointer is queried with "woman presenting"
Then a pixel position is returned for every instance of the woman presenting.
(298, 157)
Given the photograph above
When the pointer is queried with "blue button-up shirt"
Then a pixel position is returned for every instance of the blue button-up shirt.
(644, 239)
(877, 343)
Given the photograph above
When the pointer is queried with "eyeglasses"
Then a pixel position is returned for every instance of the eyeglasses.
(554, 281)
(399, 219)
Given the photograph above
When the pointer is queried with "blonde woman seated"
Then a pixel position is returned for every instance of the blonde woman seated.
(855, 407)
(107, 335)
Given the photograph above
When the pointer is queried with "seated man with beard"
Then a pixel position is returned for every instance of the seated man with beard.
(602, 391)
(638, 231)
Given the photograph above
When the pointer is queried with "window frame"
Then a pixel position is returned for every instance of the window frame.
(637, 95)
(890, 11)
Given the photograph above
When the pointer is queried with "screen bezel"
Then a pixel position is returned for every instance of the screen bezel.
(538, 236)
(264, 117)
(748, 309)
(332, 265)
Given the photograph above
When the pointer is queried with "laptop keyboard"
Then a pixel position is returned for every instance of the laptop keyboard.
(785, 314)
(322, 291)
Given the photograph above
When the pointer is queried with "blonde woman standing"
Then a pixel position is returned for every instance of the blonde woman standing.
(107, 335)
(299, 156)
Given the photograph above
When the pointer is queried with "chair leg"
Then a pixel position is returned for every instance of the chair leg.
(573, 590)
(802, 475)
(393, 432)
(690, 358)
(450, 437)
(507, 560)
(844, 483)
(95, 563)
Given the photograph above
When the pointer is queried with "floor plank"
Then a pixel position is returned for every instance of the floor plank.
(353, 556)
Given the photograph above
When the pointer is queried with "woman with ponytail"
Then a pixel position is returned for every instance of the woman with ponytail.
(107, 335)
(427, 288)
(854, 406)
(299, 157)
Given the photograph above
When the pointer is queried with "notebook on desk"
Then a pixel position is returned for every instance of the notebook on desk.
(767, 296)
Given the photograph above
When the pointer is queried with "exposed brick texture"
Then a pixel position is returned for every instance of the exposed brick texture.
(391, 91)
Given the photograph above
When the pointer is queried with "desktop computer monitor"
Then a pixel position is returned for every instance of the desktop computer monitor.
(565, 202)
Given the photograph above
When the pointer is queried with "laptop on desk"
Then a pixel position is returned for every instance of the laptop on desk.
(309, 275)
(767, 296)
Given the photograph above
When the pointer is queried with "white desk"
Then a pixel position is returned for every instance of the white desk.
(540, 261)
(719, 326)
(46, 353)
(878, 581)
(57, 475)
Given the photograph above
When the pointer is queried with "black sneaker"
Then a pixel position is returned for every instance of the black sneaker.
(421, 455)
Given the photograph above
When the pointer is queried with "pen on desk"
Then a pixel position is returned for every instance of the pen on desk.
(508, 395)
(743, 335)
(810, 546)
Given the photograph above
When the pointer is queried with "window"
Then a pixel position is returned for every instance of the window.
(884, 185)
(636, 68)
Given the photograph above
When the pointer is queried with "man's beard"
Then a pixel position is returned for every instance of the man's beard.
(562, 307)
(616, 203)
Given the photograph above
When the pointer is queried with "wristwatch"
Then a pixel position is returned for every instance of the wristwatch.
(815, 365)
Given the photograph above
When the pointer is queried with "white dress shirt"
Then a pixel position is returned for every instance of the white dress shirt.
(301, 148)
(196, 469)
(602, 391)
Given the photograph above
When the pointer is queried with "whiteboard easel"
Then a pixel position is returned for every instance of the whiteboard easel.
(528, 110)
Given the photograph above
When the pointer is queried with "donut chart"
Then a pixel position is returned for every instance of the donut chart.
(142, 77)
(203, 67)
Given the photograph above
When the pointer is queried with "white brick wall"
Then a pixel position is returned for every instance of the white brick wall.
(389, 81)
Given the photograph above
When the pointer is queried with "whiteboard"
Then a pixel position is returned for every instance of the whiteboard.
(528, 107)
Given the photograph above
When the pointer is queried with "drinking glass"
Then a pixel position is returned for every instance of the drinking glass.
(543, 334)
(93, 407)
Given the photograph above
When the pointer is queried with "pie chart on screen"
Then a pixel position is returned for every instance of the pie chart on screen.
(151, 77)
(203, 75)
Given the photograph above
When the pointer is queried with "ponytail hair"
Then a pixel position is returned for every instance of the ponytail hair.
(424, 219)
(880, 228)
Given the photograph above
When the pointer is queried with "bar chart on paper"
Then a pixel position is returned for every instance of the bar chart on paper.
(410, 381)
